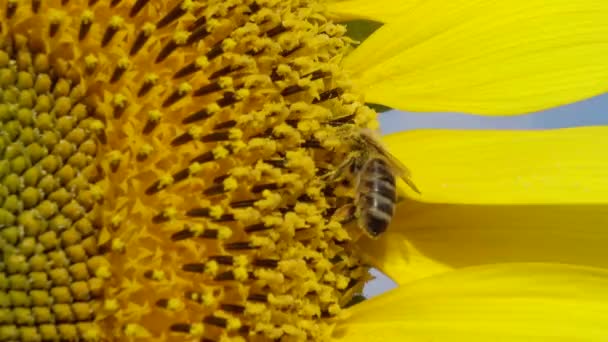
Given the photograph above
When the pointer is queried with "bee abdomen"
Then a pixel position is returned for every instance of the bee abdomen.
(374, 221)
(377, 179)
(377, 193)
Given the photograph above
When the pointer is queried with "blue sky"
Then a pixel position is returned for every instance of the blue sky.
(585, 113)
(590, 112)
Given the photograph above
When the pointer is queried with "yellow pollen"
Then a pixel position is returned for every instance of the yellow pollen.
(228, 44)
(119, 100)
(197, 229)
(123, 62)
(195, 132)
(136, 330)
(187, 5)
(242, 93)
(116, 21)
(213, 24)
(158, 275)
(271, 200)
(170, 213)
(270, 221)
(230, 184)
(148, 28)
(181, 37)
(211, 268)
(146, 150)
(213, 108)
(90, 62)
(208, 299)
(202, 62)
(195, 168)
(175, 304)
(151, 78)
(225, 82)
(216, 211)
(118, 245)
(154, 115)
(87, 17)
(184, 88)
(56, 17)
(233, 324)
(111, 305)
(197, 329)
(220, 152)
(241, 274)
(235, 134)
(165, 180)
(224, 233)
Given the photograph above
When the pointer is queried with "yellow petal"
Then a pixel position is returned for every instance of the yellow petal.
(507, 167)
(426, 239)
(397, 257)
(382, 11)
(503, 302)
(487, 57)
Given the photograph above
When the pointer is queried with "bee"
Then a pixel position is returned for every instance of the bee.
(375, 172)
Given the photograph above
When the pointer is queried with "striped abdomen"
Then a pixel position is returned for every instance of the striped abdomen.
(376, 195)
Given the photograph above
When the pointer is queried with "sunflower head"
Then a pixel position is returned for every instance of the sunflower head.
(160, 170)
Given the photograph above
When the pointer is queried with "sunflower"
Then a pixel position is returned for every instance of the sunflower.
(162, 171)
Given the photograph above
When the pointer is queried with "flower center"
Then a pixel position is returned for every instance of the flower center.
(175, 150)
(52, 270)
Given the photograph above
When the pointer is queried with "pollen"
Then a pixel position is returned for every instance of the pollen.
(161, 171)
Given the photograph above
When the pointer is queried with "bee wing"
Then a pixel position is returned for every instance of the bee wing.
(399, 169)
(402, 171)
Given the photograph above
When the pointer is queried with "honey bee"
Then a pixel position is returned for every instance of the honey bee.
(375, 171)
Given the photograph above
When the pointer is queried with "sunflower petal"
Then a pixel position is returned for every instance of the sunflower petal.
(400, 260)
(427, 239)
(486, 57)
(561, 166)
(383, 11)
(506, 302)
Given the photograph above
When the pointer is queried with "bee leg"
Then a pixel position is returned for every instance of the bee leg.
(336, 174)
(346, 214)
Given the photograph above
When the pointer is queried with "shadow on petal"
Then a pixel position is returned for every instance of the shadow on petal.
(426, 239)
